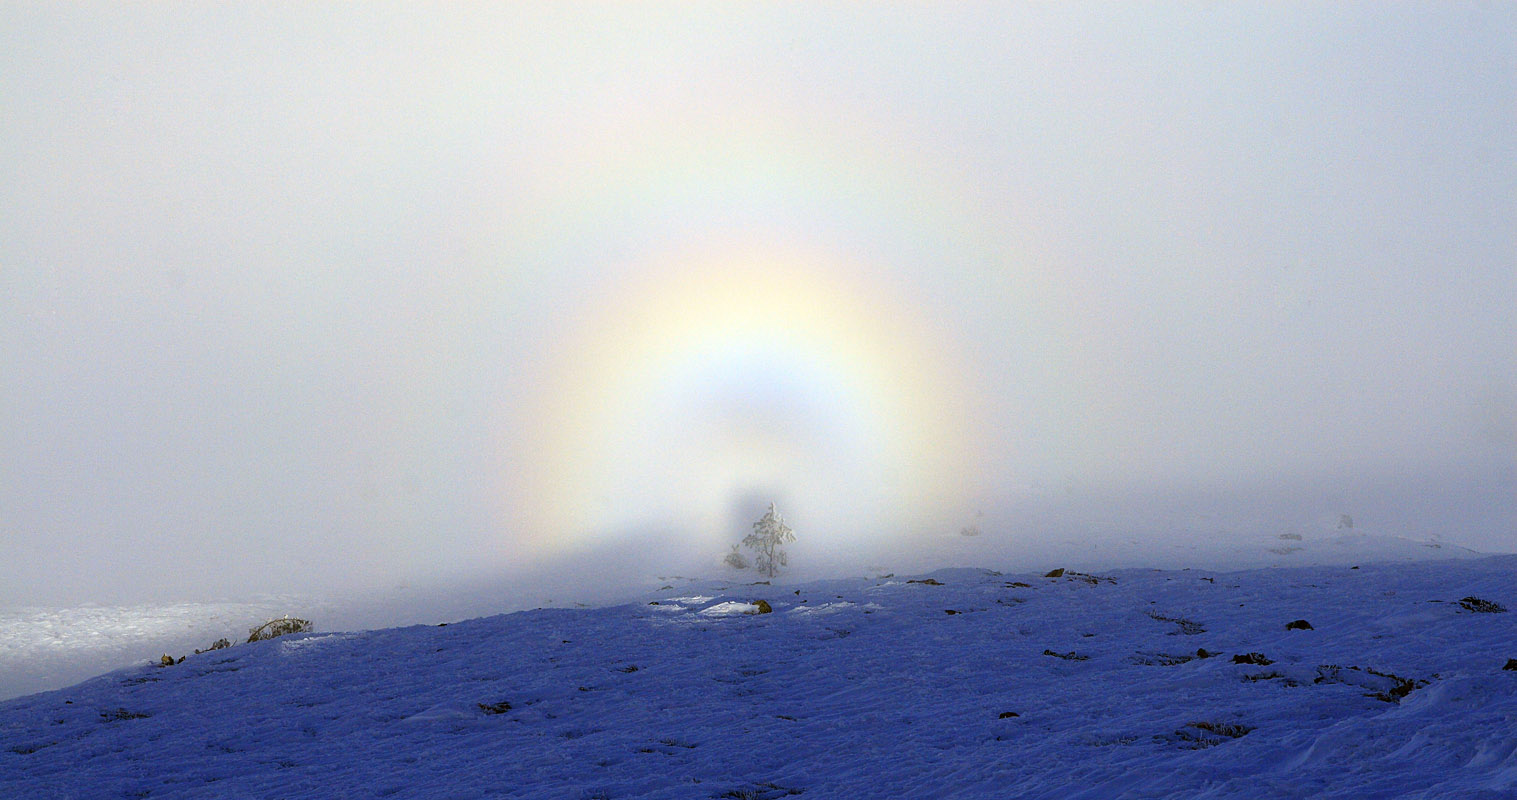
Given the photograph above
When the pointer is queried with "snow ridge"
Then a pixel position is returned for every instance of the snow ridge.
(1130, 684)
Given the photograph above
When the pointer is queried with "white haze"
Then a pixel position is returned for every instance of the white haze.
(269, 275)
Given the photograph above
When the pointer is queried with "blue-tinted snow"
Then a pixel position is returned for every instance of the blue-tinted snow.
(1085, 685)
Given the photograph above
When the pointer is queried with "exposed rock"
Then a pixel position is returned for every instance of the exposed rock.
(1057, 573)
(1403, 687)
(1382, 686)
(1298, 625)
(927, 582)
(1511, 664)
(1159, 659)
(1230, 730)
(1187, 627)
(1252, 658)
(119, 714)
(1481, 606)
(759, 791)
(1008, 715)
(1202, 652)
(1067, 656)
(763, 606)
(1201, 735)
(1285, 680)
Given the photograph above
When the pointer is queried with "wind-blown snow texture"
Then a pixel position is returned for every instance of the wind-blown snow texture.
(973, 685)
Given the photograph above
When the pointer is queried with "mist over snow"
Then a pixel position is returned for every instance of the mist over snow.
(414, 314)
(44, 647)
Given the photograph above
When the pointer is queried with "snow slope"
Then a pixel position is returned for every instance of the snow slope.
(971, 685)
(46, 648)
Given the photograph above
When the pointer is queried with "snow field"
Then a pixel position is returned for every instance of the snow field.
(975, 685)
(43, 648)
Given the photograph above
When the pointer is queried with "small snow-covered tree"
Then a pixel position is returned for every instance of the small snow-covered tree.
(735, 559)
(769, 534)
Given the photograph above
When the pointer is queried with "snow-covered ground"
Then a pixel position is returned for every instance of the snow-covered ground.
(963, 683)
(46, 648)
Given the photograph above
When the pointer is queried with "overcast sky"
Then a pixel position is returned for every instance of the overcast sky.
(307, 296)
